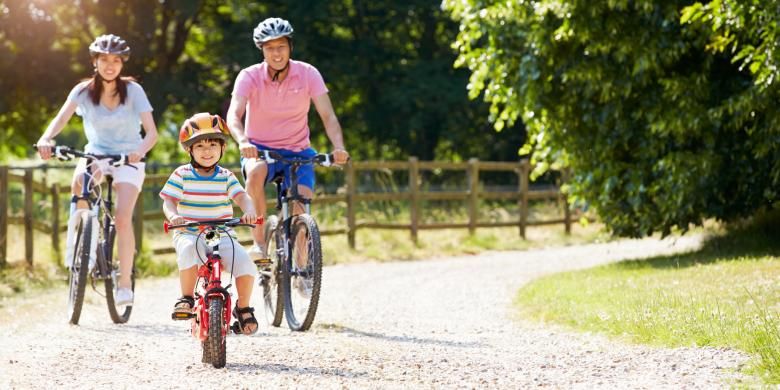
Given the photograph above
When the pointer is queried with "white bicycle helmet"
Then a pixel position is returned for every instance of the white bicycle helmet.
(110, 44)
(271, 29)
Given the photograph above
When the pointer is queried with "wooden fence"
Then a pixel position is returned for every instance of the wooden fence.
(351, 198)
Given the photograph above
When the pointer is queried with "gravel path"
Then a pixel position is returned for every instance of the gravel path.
(445, 323)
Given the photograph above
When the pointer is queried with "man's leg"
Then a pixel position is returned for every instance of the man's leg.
(256, 172)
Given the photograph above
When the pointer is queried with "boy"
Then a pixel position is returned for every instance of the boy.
(202, 190)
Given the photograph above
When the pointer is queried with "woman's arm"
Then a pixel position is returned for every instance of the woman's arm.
(147, 121)
(45, 143)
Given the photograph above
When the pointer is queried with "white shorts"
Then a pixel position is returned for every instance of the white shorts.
(186, 256)
(121, 174)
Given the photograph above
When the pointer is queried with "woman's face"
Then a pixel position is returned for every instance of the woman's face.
(109, 66)
(277, 52)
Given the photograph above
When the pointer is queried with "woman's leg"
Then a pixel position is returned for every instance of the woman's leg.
(126, 196)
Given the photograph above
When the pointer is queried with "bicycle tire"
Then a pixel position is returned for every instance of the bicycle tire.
(270, 279)
(77, 278)
(301, 307)
(214, 345)
(118, 316)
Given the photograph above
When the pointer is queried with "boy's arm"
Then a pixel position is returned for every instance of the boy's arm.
(245, 203)
(171, 209)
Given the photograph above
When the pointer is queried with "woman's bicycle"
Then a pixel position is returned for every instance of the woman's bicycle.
(211, 315)
(291, 280)
(95, 234)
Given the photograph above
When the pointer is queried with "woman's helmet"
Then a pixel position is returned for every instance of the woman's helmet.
(270, 29)
(202, 126)
(110, 44)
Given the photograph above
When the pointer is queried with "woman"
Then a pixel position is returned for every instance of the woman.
(112, 107)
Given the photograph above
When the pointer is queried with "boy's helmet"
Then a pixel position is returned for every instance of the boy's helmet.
(110, 44)
(202, 126)
(270, 29)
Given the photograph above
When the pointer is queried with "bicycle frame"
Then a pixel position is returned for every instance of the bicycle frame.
(210, 272)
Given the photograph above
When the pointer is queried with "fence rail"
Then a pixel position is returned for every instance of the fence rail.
(351, 197)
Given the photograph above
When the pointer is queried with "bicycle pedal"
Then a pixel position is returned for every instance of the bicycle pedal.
(182, 316)
(262, 262)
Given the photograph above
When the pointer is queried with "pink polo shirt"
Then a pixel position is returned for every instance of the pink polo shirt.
(277, 113)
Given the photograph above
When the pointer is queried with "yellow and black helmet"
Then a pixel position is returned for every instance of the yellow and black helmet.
(202, 126)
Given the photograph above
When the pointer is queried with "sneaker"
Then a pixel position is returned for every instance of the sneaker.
(257, 253)
(123, 297)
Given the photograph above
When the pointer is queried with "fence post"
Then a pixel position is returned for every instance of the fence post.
(28, 216)
(3, 215)
(523, 201)
(55, 218)
(473, 194)
(351, 191)
(565, 197)
(138, 222)
(414, 204)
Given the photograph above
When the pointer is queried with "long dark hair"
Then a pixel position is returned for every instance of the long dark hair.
(95, 88)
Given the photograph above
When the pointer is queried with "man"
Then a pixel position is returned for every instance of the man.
(276, 95)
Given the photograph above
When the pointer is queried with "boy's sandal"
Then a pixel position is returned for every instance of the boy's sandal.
(241, 323)
(183, 307)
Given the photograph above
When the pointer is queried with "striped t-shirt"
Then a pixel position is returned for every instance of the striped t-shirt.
(202, 197)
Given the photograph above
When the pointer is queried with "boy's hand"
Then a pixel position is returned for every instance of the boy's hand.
(177, 220)
(249, 218)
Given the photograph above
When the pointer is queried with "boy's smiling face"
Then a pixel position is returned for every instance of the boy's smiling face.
(207, 152)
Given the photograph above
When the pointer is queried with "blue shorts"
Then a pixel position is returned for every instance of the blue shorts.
(305, 172)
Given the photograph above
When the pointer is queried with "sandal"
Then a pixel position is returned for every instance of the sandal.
(241, 324)
(182, 309)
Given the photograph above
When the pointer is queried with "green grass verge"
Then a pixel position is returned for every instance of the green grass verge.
(725, 295)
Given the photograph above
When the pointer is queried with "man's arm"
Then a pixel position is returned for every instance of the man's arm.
(332, 127)
(235, 112)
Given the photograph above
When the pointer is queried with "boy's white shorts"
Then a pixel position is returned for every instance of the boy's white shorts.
(188, 258)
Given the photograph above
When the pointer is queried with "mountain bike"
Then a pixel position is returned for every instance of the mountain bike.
(291, 282)
(210, 317)
(95, 234)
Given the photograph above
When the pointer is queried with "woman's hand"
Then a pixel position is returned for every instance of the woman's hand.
(134, 157)
(45, 146)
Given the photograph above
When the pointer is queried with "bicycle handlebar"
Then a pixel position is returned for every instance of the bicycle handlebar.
(228, 222)
(270, 157)
(66, 153)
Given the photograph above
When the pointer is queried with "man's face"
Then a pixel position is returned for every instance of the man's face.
(277, 52)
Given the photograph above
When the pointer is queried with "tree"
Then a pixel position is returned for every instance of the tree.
(660, 132)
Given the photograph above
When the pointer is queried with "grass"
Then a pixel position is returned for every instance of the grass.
(725, 295)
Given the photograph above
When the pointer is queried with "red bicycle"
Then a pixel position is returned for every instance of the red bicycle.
(211, 315)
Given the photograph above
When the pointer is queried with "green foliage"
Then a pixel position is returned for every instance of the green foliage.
(387, 65)
(659, 131)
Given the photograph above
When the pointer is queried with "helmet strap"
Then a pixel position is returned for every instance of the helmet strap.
(278, 72)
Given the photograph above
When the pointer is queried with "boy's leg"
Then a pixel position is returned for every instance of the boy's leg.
(186, 259)
(241, 266)
(187, 278)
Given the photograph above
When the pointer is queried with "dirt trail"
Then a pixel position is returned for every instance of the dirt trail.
(436, 323)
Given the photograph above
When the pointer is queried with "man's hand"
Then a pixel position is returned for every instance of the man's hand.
(247, 149)
(340, 156)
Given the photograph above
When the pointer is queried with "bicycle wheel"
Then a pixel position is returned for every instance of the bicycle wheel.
(302, 273)
(77, 279)
(214, 346)
(119, 314)
(270, 279)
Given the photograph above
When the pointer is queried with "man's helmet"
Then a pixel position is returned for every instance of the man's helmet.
(202, 126)
(110, 44)
(270, 29)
